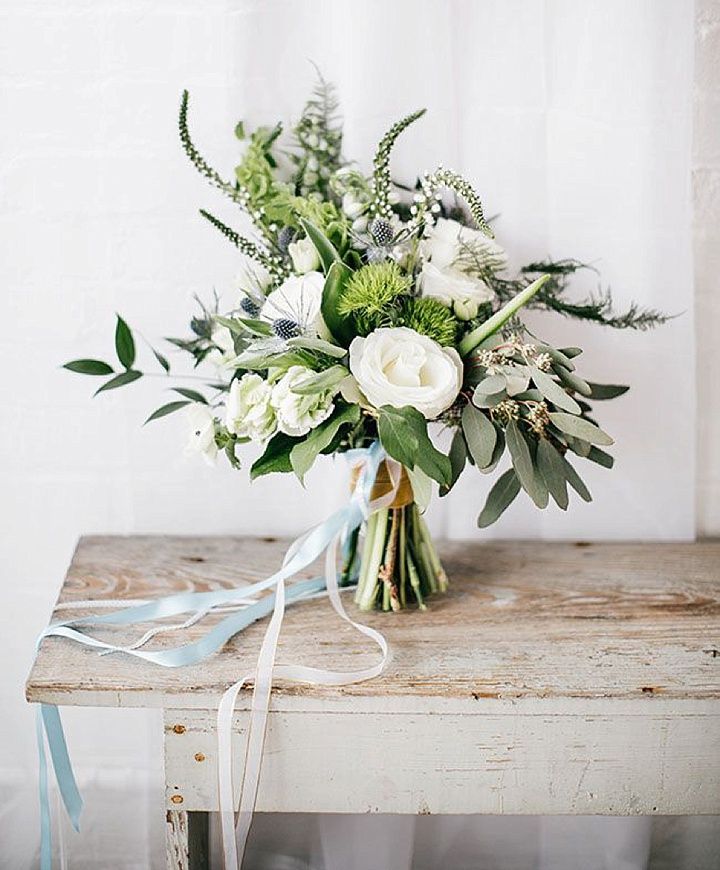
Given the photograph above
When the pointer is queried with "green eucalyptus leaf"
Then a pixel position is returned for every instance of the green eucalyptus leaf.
(578, 446)
(89, 367)
(124, 343)
(165, 410)
(276, 456)
(570, 352)
(501, 496)
(550, 465)
(120, 380)
(573, 478)
(320, 382)
(480, 400)
(523, 464)
(480, 435)
(305, 452)
(491, 385)
(601, 457)
(553, 392)
(497, 452)
(557, 356)
(606, 391)
(580, 428)
(573, 381)
(192, 395)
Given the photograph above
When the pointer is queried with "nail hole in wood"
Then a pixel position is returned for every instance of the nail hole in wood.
(179, 729)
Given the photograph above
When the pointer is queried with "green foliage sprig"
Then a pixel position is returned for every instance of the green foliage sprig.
(271, 262)
(318, 136)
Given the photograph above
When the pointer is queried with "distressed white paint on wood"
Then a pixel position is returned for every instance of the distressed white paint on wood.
(560, 761)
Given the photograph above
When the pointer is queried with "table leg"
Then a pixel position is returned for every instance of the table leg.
(187, 840)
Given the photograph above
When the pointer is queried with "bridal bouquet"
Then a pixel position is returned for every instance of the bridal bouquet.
(371, 311)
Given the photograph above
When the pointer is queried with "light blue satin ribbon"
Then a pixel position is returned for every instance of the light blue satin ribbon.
(303, 552)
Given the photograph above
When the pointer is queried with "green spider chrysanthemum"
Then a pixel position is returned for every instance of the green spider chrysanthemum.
(370, 295)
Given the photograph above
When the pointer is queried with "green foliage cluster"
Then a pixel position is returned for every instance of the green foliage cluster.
(318, 137)
(429, 317)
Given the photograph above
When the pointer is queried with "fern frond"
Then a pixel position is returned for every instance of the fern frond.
(318, 136)
(382, 183)
(273, 264)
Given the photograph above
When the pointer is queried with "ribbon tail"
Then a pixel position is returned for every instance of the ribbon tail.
(45, 818)
(61, 763)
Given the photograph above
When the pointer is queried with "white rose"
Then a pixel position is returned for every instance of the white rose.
(297, 414)
(398, 366)
(444, 242)
(450, 285)
(248, 412)
(304, 256)
(298, 299)
(202, 432)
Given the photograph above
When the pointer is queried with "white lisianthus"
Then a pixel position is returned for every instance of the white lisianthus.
(304, 256)
(297, 414)
(248, 412)
(444, 242)
(224, 352)
(202, 432)
(397, 366)
(298, 299)
(450, 286)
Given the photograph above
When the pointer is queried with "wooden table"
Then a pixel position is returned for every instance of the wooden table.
(551, 679)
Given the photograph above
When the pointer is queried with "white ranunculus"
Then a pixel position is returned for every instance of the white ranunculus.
(248, 412)
(304, 256)
(298, 299)
(450, 285)
(444, 241)
(297, 414)
(397, 366)
(202, 432)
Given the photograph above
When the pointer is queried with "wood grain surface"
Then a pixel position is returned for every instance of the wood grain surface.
(522, 620)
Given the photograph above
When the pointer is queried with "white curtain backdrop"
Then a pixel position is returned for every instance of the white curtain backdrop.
(573, 120)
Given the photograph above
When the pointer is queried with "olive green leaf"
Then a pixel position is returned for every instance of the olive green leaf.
(192, 395)
(573, 381)
(325, 248)
(531, 482)
(124, 343)
(458, 457)
(480, 435)
(165, 410)
(89, 367)
(120, 380)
